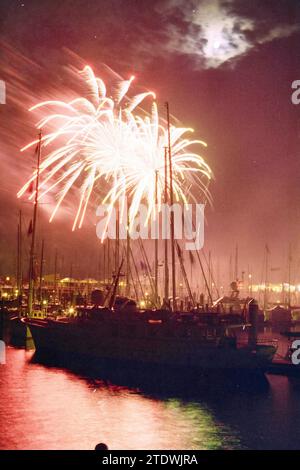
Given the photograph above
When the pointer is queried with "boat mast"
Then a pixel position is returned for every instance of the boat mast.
(186, 281)
(127, 256)
(209, 272)
(230, 270)
(41, 272)
(109, 267)
(172, 212)
(147, 268)
(204, 277)
(249, 282)
(166, 262)
(266, 277)
(104, 260)
(99, 274)
(19, 260)
(34, 220)
(133, 281)
(289, 274)
(117, 245)
(156, 243)
(137, 275)
(55, 275)
(236, 263)
(114, 287)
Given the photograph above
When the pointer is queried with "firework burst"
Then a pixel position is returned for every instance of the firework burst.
(101, 138)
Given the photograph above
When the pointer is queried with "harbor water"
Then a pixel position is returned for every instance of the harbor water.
(44, 406)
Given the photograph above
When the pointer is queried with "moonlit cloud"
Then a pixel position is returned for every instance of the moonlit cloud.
(215, 32)
(281, 31)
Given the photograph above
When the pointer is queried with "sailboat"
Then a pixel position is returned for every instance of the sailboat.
(19, 333)
(160, 338)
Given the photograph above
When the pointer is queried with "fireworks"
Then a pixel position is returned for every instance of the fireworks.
(111, 139)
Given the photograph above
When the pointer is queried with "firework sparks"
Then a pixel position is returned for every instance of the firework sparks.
(102, 138)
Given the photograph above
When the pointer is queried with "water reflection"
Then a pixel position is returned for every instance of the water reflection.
(43, 406)
(47, 407)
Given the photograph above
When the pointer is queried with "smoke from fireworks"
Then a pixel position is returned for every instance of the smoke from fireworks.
(99, 138)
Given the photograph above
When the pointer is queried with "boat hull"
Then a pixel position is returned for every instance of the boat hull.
(69, 339)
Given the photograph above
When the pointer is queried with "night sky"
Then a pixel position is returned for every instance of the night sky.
(226, 68)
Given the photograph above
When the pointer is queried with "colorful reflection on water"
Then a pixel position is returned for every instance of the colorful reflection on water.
(45, 407)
